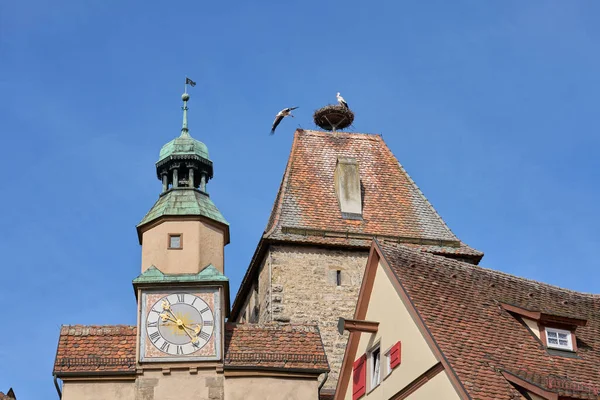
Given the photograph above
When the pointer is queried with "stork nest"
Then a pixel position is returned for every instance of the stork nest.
(333, 117)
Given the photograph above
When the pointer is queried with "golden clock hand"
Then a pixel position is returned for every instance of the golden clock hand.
(194, 339)
(166, 317)
(168, 308)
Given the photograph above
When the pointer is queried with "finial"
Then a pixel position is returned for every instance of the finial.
(185, 97)
(184, 128)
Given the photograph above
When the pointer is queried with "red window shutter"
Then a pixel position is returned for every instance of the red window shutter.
(359, 378)
(396, 355)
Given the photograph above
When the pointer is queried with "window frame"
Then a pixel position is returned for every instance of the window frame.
(172, 235)
(371, 367)
(388, 362)
(558, 346)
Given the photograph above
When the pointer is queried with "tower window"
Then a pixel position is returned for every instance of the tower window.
(175, 241)
(338, 277)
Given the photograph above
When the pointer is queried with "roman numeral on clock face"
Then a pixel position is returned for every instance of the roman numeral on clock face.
(179, 350)
(165, 347)
(180, 297)
(153, 324)
(205, 309)
(154, 337)
(207, 323)
(204, 335)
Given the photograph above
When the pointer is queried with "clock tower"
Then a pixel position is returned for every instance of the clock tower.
(182, 292)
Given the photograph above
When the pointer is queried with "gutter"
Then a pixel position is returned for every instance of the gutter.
(56, 385)
(322, 384)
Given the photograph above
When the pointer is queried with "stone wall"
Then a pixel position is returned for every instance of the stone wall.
(304, 289)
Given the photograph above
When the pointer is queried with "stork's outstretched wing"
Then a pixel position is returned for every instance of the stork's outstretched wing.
(286, 112)
(278, 119)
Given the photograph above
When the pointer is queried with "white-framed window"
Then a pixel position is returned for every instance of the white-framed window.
(387, 362)
(559, 339)
(375, 366)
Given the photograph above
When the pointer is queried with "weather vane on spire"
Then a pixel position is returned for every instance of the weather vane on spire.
(185, 97)
(190, 82)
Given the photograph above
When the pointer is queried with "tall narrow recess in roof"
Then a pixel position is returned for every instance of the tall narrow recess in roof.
(347, 187)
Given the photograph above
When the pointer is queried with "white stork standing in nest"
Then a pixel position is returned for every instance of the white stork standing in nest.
(341, 100)
(286, 112)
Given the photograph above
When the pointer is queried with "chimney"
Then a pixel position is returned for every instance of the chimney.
(347, 187)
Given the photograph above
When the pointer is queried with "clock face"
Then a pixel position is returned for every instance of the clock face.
(179, 325)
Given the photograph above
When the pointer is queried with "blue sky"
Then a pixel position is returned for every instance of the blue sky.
(492, 107)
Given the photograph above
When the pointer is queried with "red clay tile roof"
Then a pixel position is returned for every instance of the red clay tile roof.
(460, 305)
(288, 346)
(306, 208)
(562, 386)
(108, 350)
(101, 349)
(10, 395)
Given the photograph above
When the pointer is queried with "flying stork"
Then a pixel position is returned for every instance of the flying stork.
(286, 112)
(341, 100)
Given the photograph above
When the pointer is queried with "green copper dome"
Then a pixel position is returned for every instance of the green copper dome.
(183, 146)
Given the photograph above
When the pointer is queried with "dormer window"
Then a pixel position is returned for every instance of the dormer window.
(554, 331)
(559, 339)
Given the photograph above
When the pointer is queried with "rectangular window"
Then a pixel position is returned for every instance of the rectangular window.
(559, 339)
(175, 241)
(375, 361)
(338, 277)
(392, 358)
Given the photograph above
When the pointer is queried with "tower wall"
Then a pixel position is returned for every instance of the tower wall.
(304, 289)
(202, 244)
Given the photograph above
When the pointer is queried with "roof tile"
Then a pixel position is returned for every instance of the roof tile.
(306, 208)
(460, 305)
(274, 345)
(110, 349)
(96, 348)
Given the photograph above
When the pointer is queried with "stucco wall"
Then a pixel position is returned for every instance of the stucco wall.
(533, 326)
(265, 388)
(395, 324)
(439, 387)
(98, 390)
(203, 244)
(180, 385)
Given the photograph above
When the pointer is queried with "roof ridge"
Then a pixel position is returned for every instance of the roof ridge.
(358, 135)
(479, 268)
(419, 191)
(277, 206)
(272, 325)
